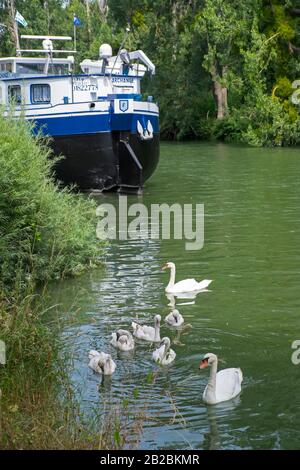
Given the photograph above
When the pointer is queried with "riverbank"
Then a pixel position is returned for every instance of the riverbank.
(33, 413)
(38, 407)
(46, 233)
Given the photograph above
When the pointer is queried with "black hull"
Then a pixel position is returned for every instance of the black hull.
(105, 160)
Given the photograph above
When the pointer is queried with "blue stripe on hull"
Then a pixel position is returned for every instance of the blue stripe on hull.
(73, 125)
(94, 123)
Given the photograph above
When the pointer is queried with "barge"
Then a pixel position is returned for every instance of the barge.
(96, 119)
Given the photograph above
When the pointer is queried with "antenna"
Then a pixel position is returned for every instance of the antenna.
(120, 48)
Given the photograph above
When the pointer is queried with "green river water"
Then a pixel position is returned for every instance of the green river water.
(249, 317)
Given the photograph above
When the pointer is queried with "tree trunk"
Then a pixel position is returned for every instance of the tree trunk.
(14, 26)
(220, 93)
(88, 15)
(103, 8)
(46, 7)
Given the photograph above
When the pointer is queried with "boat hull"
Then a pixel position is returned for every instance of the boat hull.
(103, 160)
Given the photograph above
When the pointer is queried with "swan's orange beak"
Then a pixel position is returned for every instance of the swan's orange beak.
(203, 363)
(165, 266)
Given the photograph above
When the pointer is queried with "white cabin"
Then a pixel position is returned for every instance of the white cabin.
(39, 82)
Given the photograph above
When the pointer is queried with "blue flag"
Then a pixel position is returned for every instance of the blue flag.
(76, 21)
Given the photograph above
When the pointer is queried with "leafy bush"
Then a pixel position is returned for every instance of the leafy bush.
(267, 123)
(45, 232)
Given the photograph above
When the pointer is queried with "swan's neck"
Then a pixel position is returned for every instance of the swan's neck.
(107, 366)
(211, 386)
(172, 277)
(157, 332)
(165, 354)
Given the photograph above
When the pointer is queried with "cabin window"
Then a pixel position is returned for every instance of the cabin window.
(38, 69)
(40, 93)
(6, 67)
(58, 69)
(14, 94)
(24, 68)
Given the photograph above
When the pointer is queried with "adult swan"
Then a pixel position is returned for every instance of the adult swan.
(188, 285)
(223, 385)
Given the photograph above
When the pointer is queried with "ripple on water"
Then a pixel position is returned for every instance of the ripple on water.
(249, 317)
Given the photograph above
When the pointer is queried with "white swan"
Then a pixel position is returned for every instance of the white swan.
(174, 318)
(148, 333)
(163, 354)
(123, 340)
(101, 363)
(222, 386)
(187, 285)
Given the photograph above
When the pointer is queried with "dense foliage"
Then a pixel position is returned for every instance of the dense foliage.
(225, 68)
(45, 232)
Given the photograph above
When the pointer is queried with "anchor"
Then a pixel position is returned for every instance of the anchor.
(145, 133)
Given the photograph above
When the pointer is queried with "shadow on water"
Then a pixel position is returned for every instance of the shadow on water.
(249, 317)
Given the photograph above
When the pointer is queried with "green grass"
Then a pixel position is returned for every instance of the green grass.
(46, 233)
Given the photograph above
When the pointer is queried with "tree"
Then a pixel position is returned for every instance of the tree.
(225, 27)
(88, 17)
(103, 8)
(217, 62)
(13, 26)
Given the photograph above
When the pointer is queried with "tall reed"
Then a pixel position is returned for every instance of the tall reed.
(46, 233)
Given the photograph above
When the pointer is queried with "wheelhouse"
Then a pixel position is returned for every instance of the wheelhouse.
(23, 79)
(36, 66)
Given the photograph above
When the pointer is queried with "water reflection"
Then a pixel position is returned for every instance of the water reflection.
(172, 298)
(105, 385)
(212, 440)
(181, 331)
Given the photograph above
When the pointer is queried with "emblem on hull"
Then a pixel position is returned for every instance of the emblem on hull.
(124, 105)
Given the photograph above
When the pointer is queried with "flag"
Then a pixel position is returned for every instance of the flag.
(76, 21)
(19, 19)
